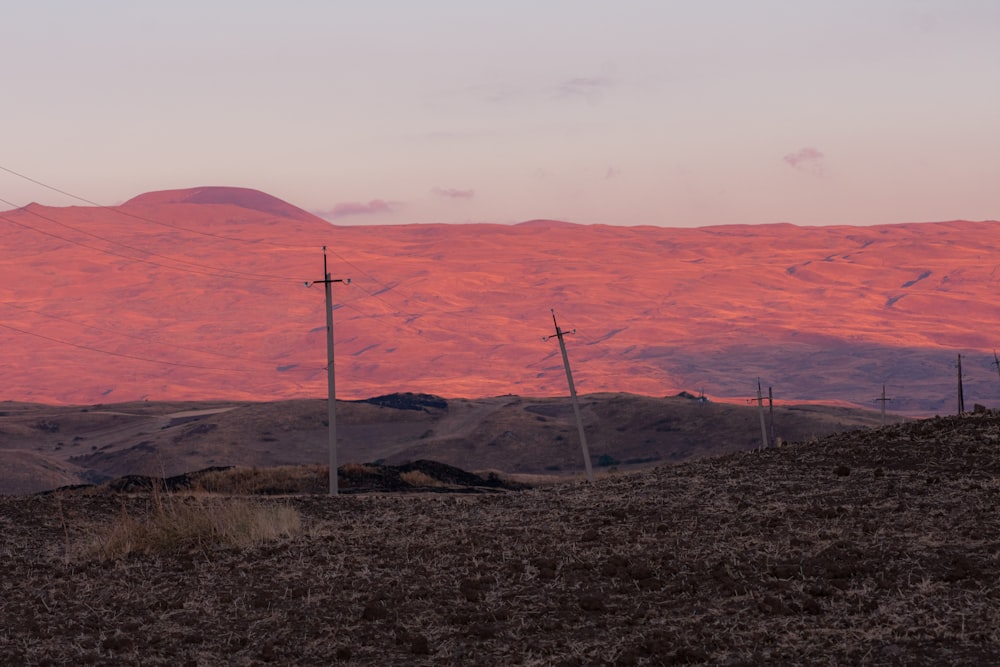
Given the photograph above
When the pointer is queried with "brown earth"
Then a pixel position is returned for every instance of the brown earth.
(44, 447)
(875, 547)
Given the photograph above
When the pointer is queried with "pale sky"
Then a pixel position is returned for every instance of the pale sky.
(674, 113)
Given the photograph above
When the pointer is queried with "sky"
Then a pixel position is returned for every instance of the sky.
(633, 112)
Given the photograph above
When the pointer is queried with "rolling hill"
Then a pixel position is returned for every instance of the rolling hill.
(199, 295)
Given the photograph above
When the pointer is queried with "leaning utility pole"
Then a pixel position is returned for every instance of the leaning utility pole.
(331, 400)
(882, 401)
(572, 393)
(763, 426)
(961, 397)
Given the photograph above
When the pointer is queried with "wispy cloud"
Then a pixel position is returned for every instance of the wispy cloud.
(590, 88)
(345, 209)
(808, 160)
(454, 193)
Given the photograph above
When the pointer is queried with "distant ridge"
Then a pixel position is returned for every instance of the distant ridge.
(547, 224)
(248, 198)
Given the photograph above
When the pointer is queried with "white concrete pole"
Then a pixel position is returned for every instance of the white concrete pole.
(572, 393)
(331, 388)
(763, 425)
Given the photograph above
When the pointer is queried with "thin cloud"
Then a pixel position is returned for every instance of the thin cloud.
(355, 208)
(585, 85)
(589, 88)
(454, 193)
(808, 160)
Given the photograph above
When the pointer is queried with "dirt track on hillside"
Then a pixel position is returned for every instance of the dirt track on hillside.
(873, 548)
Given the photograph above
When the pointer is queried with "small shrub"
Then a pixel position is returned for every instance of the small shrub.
(47, 426)
(605, 460)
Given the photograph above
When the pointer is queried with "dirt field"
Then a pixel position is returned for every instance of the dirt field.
(877, 547)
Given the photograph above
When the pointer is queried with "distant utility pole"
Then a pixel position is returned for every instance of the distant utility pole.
(770, 404)
(882, 400)
(572, 393)
(763, 426)
(961, 397)
(996, 361)
(331, 400)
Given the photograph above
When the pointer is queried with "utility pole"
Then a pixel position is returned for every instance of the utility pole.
(572, 393)
(770, 405)
(996, 361)
(961, 397)
(882, 400)
(331, 386)
(763, 426)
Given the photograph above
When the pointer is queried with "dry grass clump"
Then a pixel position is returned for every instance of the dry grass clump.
(186, 524)
(419, 478)
(275, 480)
(358, 469)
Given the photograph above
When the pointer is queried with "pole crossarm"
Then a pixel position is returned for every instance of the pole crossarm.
(559, 332)
(882, 399)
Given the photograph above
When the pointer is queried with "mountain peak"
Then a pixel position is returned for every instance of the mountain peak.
(213, 194)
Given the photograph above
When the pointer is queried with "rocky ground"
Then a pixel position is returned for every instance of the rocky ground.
(875, 547)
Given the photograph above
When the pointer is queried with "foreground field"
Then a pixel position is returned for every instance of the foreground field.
(876, 547)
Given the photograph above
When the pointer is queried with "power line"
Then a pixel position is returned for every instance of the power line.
(118, 211)
(121, 354)
(203, 269)
(135, 337)
(349, 303)
(214, 270)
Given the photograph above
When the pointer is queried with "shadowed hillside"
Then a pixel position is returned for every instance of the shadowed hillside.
(44, 447)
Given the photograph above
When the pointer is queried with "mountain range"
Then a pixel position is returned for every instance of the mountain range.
(202, 294)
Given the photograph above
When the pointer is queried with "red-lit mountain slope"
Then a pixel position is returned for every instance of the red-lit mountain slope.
(194, 294)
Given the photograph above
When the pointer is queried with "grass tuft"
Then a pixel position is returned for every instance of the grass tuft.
(419, 478)
(269, 481)
(196, 523)
(358, 469)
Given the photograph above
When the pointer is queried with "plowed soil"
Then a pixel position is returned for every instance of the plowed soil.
(876, 547)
